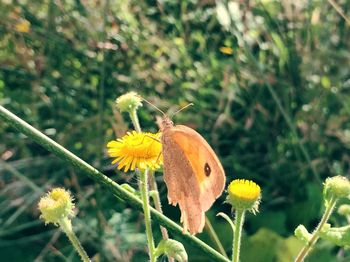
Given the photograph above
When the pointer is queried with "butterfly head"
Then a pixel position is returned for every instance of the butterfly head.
(166, 123)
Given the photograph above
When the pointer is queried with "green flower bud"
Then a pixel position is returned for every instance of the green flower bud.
(344, 210)
(302, 234)
(56, 205)
(336, 187)
(172, 248)
(244, 194)
(337, 235)
(128, 102)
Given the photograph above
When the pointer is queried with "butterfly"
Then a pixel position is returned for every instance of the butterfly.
(193, 173)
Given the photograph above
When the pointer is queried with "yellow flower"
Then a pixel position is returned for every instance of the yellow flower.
(226, 50)
(56, 205)
(23, 26)
(244, 194)
(136, 150)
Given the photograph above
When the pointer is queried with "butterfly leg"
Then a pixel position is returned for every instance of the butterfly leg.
(156, 139)
(151, 137)
(158, 157)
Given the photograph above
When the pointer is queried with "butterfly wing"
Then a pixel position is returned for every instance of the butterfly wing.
(182, 185)
(193, 170)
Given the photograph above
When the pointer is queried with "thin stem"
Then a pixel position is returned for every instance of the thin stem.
(237, 236)
(135, 120)
(143, 185)
(66, 226)
(153, 184)
(214, 236)
(101, 86)
(315, 235)
(156, 200)
(146, 210)
(339, 11)
(158, 206)
(113, 187)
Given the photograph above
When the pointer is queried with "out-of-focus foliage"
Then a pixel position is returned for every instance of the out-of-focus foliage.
(270, 81)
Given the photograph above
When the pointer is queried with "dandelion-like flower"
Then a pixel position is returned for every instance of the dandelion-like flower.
(136, 150)
(244, 194)
(56, 205)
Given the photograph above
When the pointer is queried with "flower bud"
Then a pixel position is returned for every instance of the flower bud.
(56, 205)
(302, 234)
(336, 187)
(339, 236)
(128, 102)
(344, 210)
(172, 248)
(244, 194)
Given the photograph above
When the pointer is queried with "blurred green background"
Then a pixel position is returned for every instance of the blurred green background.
(270, 83)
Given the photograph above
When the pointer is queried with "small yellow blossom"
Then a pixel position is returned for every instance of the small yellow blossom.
(23, 26)
(56, 205)
(226, 50)
(244, 194)
(136, 150)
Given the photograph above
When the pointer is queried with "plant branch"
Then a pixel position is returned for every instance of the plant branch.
(315, 235)
(143, 175)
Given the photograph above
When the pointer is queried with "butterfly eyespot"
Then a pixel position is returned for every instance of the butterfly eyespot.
(207, 169)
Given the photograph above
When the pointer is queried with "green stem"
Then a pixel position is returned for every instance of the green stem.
(66, 226)
(153, 184)
(135, 120)
(315, 235)
(237, 236)
(143, 185)
(158, 206)
(214, 236)
(146, 210)
(100, 178)
(157, 203)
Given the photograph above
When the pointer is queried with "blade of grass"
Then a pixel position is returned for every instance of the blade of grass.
(13, 230)
(21, 177)
(214, 237)
(27, 239)
(339, 11)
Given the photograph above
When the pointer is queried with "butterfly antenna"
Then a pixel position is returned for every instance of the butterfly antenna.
(148, 102)
(190, 104)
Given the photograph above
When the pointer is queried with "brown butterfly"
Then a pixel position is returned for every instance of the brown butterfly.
(193, 173)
